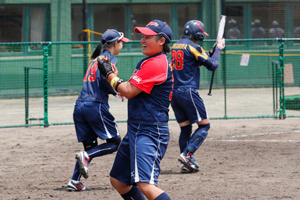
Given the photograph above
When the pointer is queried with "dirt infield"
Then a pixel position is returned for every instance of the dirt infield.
(241, 159)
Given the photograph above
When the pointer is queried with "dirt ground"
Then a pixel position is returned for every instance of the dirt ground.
(241, 159)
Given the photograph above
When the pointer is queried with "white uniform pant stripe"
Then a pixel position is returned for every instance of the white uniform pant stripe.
(106, 131)
(136, 176)
(118, 133)
(99, 151)
(198, 114)
(156, 157)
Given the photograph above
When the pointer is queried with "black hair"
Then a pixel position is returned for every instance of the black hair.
(109, 44)
(166, 47)
(97, 51)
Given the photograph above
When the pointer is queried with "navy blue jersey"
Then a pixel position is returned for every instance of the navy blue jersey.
(187, 57)
(153, 75)
(95, 86)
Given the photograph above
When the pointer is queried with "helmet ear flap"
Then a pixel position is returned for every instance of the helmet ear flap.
(198, 36)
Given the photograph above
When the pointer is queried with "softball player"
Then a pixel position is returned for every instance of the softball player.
(136, 168)
(91, 113)
(188, 106)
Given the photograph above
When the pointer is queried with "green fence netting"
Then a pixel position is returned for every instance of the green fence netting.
(39, 82)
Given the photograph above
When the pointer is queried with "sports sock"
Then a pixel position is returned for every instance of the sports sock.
(197, 139)
(133, 194)
(184, 137)
(76, 174)
(163, 196)
(102, 149)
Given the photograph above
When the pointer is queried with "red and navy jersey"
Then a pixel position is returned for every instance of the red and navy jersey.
(153, 76)
(187, 57)
(95, 86)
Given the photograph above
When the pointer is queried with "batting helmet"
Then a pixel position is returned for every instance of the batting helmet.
(195, 30)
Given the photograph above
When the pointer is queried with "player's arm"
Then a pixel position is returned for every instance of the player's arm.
(143, 80)
(215, 54)
(211, 62)
(125, 89)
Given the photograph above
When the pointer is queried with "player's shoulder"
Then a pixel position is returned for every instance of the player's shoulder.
(157, 59)
(109, 56)
(186, 44)
(195, 47)
(196, 50)
(181, 44)
(155, 63)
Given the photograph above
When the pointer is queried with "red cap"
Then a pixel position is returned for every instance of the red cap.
(156, 27)
(144, 31)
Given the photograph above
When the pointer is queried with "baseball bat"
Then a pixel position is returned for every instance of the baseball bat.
(211, 83)
(219, 37)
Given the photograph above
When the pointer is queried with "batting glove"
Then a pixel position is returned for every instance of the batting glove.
(221, 44)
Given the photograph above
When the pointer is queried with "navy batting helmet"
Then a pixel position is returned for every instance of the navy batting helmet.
(195, 30)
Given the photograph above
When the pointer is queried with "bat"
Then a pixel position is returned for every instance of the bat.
(221, 27)
(219, 37)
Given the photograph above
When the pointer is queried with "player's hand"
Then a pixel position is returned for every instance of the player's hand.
(105, 67)
(221, 44)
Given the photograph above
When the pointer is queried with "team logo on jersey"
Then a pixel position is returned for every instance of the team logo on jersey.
(136, 78)
(152, 23)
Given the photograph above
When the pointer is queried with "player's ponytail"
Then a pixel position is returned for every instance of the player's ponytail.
(97, 51)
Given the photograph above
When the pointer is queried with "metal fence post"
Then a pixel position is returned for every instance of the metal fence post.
(282, 114)
(275, 69)
(225, 82)
(45, 80)
(26, 84)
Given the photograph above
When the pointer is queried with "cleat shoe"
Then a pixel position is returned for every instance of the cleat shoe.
(189, 162)
(76, 186)
(195, 163)
(185, 170)
(83, 160)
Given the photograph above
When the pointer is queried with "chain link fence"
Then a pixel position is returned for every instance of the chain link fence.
(39, 82)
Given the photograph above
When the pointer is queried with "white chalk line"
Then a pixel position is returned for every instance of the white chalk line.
(274, 141)
(231, 138)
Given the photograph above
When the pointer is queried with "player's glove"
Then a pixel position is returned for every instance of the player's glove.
(220, 44)
(105, 67)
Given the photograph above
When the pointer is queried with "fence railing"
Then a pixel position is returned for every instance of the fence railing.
(256, 79)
